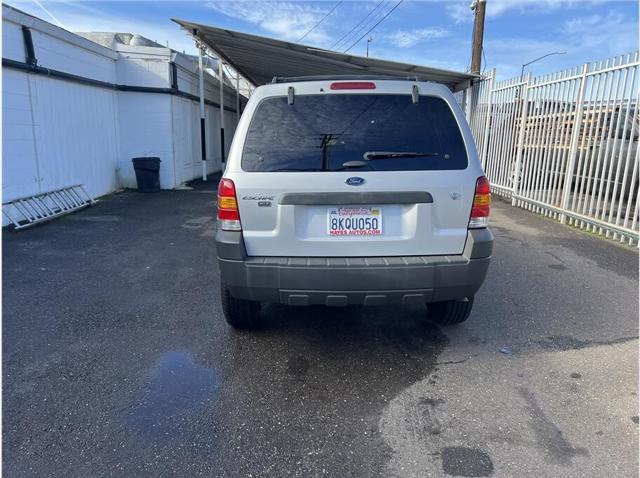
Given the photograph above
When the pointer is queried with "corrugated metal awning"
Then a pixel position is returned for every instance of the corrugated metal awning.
(258, 59)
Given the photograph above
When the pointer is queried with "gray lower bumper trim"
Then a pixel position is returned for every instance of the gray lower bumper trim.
(342, 281)
(338, 281)
(340, 299)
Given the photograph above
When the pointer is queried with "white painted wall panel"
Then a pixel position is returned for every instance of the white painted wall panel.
(19, 165)
(186, 127)
(12, 44)
(152, 72)
(186, 131)
(75, 133)
(229, 129)
(212, 120)
(145, 130)
(60, 55)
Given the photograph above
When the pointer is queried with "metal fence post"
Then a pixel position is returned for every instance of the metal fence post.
(520, 147)
(485, 141)
(465, 104)
(573, 147)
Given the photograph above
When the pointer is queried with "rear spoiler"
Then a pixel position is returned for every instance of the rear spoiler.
(291, 79)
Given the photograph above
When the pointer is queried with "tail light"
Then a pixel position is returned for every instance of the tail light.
(481, 204)
(228, 215)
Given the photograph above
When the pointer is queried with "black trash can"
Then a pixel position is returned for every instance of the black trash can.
(147, 174)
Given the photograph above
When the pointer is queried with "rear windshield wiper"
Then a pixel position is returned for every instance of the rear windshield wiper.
(371, 155)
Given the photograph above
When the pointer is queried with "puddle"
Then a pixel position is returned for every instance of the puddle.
(178, 388)
(197, 222)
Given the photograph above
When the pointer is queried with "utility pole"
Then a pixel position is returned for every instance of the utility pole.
(369, 40)
(478, 7)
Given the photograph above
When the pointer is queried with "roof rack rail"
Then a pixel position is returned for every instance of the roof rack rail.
(291, 79)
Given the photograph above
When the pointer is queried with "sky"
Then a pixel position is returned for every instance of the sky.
(434, 33)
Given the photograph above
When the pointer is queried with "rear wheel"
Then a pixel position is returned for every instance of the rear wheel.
(450, 312)
(239, 313)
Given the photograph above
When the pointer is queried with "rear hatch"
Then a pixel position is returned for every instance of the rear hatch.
(354, 173)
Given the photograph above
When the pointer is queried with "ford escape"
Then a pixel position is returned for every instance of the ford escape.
(341, 191)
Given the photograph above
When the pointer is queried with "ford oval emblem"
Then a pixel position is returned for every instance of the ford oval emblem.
(355, 181)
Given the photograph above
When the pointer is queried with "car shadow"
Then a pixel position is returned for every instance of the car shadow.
(331, 370)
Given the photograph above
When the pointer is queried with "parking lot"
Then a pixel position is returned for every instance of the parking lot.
(117, 360)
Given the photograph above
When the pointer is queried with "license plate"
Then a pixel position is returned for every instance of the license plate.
(354, 221)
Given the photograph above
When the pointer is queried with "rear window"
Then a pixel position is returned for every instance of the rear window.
(323, 132)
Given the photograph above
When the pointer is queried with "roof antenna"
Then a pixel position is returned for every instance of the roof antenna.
(415, 93)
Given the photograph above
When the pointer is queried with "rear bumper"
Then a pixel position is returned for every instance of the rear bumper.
(339, 281)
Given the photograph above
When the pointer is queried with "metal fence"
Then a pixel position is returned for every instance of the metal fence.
(566, 144)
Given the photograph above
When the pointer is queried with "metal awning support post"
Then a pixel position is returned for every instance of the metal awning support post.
(237, 97)
(220, 79)
(203, 141)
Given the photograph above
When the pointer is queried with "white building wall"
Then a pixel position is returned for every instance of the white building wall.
(12, 44)
(145, 130)
(75, 135)
(58, 133)
(186, 139)
(79, 58)
(144, 67)
(230, 124)
(20, 163)
(186, 134)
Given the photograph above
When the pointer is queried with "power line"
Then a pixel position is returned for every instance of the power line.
(354, 28)
(373, 27)
(321, 20)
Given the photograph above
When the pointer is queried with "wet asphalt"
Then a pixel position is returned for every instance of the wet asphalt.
(117, 360)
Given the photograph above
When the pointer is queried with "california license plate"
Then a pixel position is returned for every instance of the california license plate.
(354, 221)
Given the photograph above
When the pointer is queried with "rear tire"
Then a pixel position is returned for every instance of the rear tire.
(450, 312)
(239, 313)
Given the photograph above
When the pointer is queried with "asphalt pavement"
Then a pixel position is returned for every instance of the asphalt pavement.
(117, 360)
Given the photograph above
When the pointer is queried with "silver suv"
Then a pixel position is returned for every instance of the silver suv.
(341, 191)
